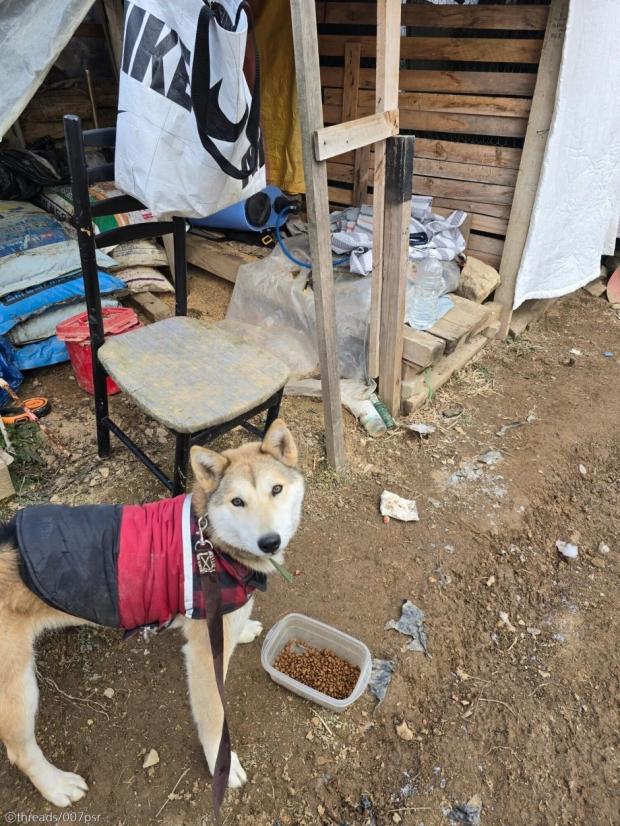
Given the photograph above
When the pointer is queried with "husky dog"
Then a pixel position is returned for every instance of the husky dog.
(247, 502)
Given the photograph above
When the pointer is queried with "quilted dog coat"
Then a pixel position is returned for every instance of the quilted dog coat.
(122, 566)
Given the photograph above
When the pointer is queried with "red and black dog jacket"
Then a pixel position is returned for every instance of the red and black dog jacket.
(122, 566)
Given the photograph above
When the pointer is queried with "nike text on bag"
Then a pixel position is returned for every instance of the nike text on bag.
(188, 139)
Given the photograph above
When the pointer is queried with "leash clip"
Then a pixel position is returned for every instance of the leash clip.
(206, 562)
(204, 549)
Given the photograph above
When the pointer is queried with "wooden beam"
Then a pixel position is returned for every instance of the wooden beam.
(496, 157)
(495, 210)
(523, 18)
(386, 99)
(532, 158)
(306, 47)
(441, 80)
(221, 258)
(503, 107)
(397, 215)
(528, 313)
(168, 241)
(416, 121)
(350, 94)
(338, 171)
(330, 141)
(351, 81)
(421, 348)
(468, 49)
(113, 28)
(467, 190)
(149, 305)
(419, 390)
(445, 122)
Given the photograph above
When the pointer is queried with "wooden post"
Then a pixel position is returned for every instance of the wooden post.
(350, 92)
(534, 146)
(113, 28)
(397, 215)
(305, 40)
(386, 99)
(351, 82)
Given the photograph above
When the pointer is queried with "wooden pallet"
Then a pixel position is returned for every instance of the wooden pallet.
(597, 288)
(421, 388)
(431, 358)
(222, 258)
(441, 103)
(152, 307)
(529, 312)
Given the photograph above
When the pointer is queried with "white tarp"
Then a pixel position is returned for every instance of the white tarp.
(32, 35)
(577, 204)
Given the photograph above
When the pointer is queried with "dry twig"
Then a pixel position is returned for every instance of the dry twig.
(175, 787)
(94, 705)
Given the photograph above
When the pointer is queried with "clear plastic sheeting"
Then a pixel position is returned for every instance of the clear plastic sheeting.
(32, 35)
(276, 296)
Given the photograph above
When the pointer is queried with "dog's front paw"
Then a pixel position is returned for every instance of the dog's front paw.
(237, 776)
(251, 630)
(60, 788)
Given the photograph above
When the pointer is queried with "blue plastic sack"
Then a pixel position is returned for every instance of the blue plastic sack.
(25, 227)
(20, 305)
(42, 353)
(9, 369)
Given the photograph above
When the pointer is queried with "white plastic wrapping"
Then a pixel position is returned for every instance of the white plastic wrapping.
(32, 35)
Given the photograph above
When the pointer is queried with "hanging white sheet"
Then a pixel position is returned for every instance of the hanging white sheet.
(577, 205)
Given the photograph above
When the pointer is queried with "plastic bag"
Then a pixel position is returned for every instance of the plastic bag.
(19, 306)
(9, 370)
(188, 139)
(277, 296)
(42, 354)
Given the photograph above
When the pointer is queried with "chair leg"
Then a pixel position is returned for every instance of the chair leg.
(181, 456)
(101, 407)
(273, 412)
(180, 267)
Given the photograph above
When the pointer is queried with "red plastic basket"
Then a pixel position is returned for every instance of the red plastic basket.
(75, 333)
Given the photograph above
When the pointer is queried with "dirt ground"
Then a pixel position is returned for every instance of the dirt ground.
(521, 712)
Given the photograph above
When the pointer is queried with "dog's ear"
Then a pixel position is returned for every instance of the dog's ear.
(208, 467)
(279, 443)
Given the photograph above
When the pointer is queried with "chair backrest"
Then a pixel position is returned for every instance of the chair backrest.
(84, 212)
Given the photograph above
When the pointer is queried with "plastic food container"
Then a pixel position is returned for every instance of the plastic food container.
(318, 635)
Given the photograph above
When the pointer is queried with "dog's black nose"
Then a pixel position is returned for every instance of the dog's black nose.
(269, 543)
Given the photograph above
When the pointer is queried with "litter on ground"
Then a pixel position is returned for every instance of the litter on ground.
(490, 457)
(411, 623)
(567, 549)
(467, 814)
(395, 507)
(422, 429)
(380, 678)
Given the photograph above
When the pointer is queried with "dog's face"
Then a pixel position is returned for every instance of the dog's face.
(254, 494)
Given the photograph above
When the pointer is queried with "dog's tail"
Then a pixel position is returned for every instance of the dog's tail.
(8, 535)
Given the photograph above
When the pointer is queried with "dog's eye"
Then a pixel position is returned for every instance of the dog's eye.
(238, 502)
(276, 489)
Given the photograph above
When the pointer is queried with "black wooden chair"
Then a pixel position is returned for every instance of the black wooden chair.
(199, 380)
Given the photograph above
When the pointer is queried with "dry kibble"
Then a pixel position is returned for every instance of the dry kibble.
(317, 668)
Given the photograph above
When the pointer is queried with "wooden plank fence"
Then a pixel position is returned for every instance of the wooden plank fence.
(466, 83)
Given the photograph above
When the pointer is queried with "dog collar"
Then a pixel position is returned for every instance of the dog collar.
(196, 544)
